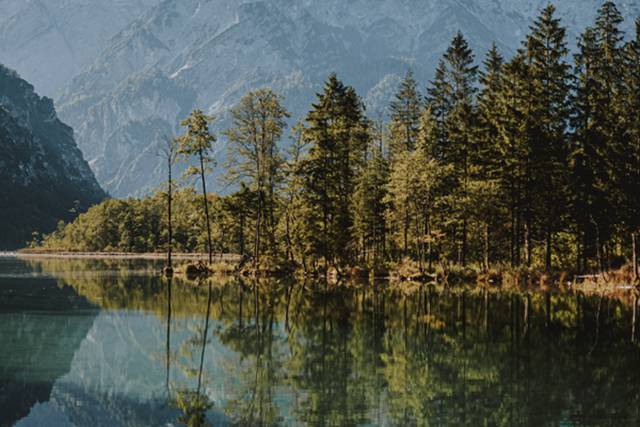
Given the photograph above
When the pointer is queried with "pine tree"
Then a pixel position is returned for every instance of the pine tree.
(491, 83)
(336, 133)
(549, 73)
(513, 146)
(485, 184)
(404, 128)
(598, 150)
(370, 206)
(589, 171)
(405, 115)
(433, 180)
(631, 140)
(452, 100)
(415, 181)
(610, 114)
(439, 100)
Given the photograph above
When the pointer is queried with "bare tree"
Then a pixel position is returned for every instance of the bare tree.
(169, 152)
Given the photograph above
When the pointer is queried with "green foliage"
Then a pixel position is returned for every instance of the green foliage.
(198, 142)
(337, 135)
(549, 114)
(258, 124)
(405, 115)
(527, 161)
(370, 207)
(194, 407)
(134, 225)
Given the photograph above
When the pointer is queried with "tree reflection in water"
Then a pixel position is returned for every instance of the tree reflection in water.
(309, 353)
(194, 404)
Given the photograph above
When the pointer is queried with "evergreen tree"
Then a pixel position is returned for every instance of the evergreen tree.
(370, 207)
(336, 133)
(598, 148)
(485, 184)
(589, 171)
(414, 183)
(631, 142)
(452, 100)
(405, 115)
(439, 100)
(549, 74)
(513, 125)
(404, 128)
(610, 105)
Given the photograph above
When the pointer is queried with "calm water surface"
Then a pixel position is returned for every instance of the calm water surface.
(108, 343)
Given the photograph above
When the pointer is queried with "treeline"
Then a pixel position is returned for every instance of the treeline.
(530, 161)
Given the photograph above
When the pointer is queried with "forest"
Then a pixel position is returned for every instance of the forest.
(531, 161)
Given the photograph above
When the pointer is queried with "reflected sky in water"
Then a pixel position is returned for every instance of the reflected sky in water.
(109, 343)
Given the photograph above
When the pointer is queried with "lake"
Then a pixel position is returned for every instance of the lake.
(110, 343)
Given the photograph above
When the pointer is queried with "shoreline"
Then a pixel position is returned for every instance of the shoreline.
(611, 280)
(118, 255)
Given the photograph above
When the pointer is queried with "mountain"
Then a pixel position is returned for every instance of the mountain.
(43, 174)
(49, 42)
(183, 54)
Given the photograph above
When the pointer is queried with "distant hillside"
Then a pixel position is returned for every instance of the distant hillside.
(43, 175)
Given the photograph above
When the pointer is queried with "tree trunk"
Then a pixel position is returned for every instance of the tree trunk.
(517, 234)
(420, 246)
(427, 226)
(242, 226)
(527, 241)
(256, 242)
(206, 208)
(405, 246)
(579, 252)
(634, 255)
(486, 247)
(465, 226)
(547, 257)
(169, 218)
(599, 249)
(289, 254)
(633, 319)
(514, 236)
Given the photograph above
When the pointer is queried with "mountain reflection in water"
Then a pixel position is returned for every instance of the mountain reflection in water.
(109, 343)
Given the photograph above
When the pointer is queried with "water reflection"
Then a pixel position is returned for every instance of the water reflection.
(278, 352)
(194, 403)
(37, 347)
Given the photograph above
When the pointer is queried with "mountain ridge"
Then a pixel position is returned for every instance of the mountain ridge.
(45, 178)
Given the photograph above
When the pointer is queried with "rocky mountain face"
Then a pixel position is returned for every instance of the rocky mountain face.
(48, 42)
(182, 54)
(43, 174)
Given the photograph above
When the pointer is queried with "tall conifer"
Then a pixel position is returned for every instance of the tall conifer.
(549, 72)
